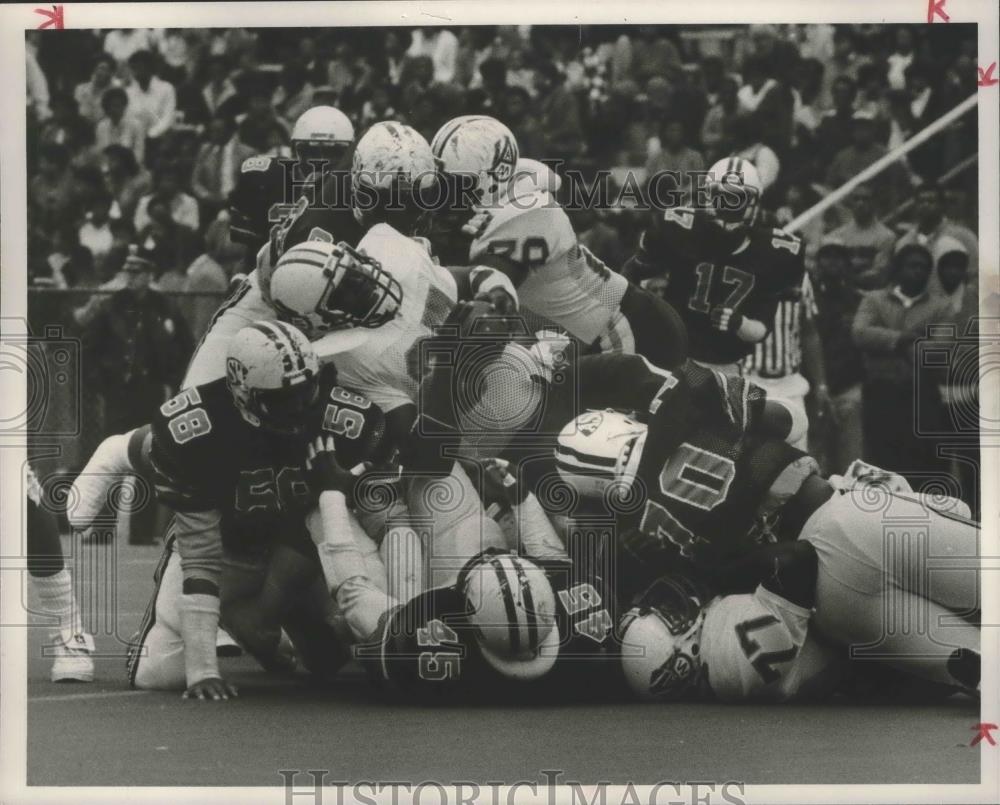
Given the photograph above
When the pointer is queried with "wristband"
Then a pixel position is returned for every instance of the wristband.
(199, 627)
(484, 279)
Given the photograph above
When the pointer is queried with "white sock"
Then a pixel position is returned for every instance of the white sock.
(56, 595)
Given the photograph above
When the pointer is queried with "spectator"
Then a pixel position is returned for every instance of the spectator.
(217, 166)
(559, 114)
(175, 54)
(125, 179)
(867, 240)
(119, 128)
(901, 58)
(167, 188)
(294, 94)
(516, 112)
(837, 298)
(924, 108)
(136, 347)
(207, 277)
(89, 95)
(716, 128)
(260, 128)
(441, 45)
(958, 382)
(842, 62)
(931, 226)
(64, 242)
(49, 188)
(748, 143)
(489, 98)
(395, 56)
(378, 107)
(95, 231)
(834, 132)
(676, 158)
(66, 126)
(152, 100)
(219, 88)
(888, 325)
(169, 245)
(122, 43)
(654, 55)
(37, 85)
(864, 151)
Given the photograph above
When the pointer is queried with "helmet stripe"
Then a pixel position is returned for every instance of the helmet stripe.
(439, 150)
(599, 461)
(281, 336)
(509, 604)
(579, 469)
(529, 604)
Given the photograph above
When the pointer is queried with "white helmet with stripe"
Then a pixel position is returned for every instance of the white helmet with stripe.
(322, 131)
(512, 607)
(599, 449)
(734, 189)
(661, 641)
(392, 167)
(321, 286)
(478, 147)
(272, 373)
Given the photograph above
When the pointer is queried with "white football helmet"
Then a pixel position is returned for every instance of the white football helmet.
(661, 642)
(534, 175)
(322, 131)
(734, 189)
(392, 165)
(513, 610)
(320, 286)
(599, 449)
(273, 374)
(479, 147)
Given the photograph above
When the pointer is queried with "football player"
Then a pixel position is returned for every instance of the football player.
(725, 271)
(267, 188)
(526, 258)
(229, 458)
(852, 586)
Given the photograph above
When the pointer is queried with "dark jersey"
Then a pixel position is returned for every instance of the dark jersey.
(703, 274)
(704, 471)
(268, 192)
(205, 456)
(427, 648)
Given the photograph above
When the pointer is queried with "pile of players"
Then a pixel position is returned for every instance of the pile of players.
(433, 433)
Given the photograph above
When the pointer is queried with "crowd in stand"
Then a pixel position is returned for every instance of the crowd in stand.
(135, 138)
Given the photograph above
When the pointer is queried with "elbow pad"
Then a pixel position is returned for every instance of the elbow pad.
(92, 487)
(800, 422)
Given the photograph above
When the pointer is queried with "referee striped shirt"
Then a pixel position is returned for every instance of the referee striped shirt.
(780, 354)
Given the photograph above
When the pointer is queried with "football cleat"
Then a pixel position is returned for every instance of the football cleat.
(73, 661)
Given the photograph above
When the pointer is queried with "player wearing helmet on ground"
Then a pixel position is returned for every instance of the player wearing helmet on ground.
(726, 271)
(525, 256)
(817, 612)
(230, 459)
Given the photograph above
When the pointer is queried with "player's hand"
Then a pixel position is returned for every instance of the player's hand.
(211, 689)
(327, 472)
(501, 301)
(726, 319)
(499, 482)
(825, 406)
(477, 224)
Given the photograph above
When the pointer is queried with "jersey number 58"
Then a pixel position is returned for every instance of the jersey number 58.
(186, 422)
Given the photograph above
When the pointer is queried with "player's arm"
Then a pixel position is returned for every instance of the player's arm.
(495, 279)
(786, 569)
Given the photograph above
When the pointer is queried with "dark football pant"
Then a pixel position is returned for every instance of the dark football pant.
(648, 326)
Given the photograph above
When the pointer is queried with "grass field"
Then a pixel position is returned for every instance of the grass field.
(106, 734)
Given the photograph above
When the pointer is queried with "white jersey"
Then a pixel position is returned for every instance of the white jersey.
(244, 305)
(567, 285)
(758, 647)
(386, 367)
